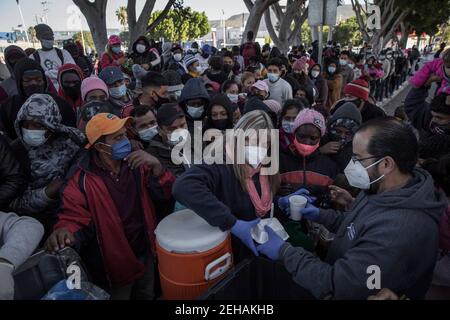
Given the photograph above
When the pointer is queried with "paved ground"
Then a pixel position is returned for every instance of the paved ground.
(396, 101)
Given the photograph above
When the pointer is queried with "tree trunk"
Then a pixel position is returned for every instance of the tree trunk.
(95, 14)
(256, 13)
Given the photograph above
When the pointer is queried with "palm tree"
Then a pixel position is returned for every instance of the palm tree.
(32, 34)
(122, 16)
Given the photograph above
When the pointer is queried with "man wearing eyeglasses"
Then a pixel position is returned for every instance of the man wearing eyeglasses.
(389, 236)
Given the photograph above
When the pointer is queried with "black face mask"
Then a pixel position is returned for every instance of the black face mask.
(161, 101)
(227, 68)
(220, 124)
(73, 91)
(440, 129)
(32, 89)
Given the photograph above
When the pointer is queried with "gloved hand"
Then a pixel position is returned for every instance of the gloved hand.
(272, 247)
(7, 281)
(310, 212)
(283, 203)
(243, 230)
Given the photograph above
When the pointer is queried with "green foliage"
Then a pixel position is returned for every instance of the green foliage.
(347, 32)
(181, 24)
(89, 43)
(122, 16)
(306, 34)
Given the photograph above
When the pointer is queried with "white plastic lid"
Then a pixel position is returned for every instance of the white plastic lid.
(186, 232)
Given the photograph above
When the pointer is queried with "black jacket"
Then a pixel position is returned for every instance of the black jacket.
(11, 107)
(12, 179)
(144, 58)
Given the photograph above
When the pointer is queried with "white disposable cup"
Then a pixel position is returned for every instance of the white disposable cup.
(296, 204)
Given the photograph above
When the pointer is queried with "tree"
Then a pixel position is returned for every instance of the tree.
(88, 42)
(289, 23)
(180, 25)
(95, 13)
(347, 32)
(256, 9)
(122, 16)
(32, 34)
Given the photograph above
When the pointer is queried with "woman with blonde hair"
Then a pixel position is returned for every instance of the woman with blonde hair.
(236, 196)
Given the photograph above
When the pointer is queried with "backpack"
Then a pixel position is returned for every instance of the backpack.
(59, 52)
(248, 51)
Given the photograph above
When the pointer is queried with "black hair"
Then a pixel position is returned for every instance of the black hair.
(438, 104)
(290, 104)
(194, 45)
(275, 53)
(236, 49)
(227, 84)
(434, 146)
(228, 54)
(440, 171)
(275, 62)
(346, 52)
(395, 139)
(216, 63)
(153, 79)
(250, 35)
(141, 110)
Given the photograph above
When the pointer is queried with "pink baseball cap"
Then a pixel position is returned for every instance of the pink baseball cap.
(261, 85)
(113, 40)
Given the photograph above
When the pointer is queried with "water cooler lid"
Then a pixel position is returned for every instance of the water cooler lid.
(186, 232)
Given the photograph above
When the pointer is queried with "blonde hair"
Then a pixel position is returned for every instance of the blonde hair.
(245, 76)
(256, 120)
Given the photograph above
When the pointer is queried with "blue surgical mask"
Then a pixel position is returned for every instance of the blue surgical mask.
(148, 134)
(195, 112)
(34, 138)
(116, 50)
(233, 97)
(120, 150)
(118, 92)
(331, 70)
(273, 77)
(288, 126)
(47, 44)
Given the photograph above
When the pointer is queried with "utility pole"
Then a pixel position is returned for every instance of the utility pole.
(24, 26)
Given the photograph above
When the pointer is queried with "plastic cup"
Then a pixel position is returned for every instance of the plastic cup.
(296, 204)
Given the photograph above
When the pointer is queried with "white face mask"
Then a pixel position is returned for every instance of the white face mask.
(288, 126)
(198, 69)
(140, 48)
(358, 176)
(178, 57)
(178, 137)
(255, 155)
(315, 74)
(351, 65)
(148, 134)
(233, 97)
(194, 112)
(343, 62)
(34, 138)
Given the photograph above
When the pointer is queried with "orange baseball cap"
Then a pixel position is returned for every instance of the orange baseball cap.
(103, 124)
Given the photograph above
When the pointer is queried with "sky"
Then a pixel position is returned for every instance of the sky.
(58, 15)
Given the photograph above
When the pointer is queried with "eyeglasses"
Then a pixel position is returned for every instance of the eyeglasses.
(354, 159)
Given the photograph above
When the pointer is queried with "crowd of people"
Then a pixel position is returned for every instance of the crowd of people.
(87, 160)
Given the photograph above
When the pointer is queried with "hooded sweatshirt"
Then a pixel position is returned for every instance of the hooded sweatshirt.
(11, 107)
(219, 100)
(8, 87)
(75, 104)
(48, 161)
(321, 85)
(396, 231)
(193, 89)
(148, 57)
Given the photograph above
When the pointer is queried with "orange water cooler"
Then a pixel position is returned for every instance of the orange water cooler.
(192, 255)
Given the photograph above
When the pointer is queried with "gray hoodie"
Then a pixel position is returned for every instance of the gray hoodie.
(396, 231)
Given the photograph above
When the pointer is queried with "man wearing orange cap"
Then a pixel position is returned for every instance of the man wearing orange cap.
(107, 211)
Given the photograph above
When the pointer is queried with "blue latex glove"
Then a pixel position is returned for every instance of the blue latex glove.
(310, 212)
(243, 230)
(283, 203)
(272, 247)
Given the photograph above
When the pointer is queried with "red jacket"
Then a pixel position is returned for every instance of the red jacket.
(75, 104)
(110, 60)
(95, 206)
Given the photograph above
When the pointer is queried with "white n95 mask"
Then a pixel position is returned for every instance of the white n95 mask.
(358, 176)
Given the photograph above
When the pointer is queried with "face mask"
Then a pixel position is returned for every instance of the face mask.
(440, 129)
(220, 124)
(118, 92)
(227, 68)
(288, 126)
(148, 134)
(73, 92)
(331, 70)
(195, 113)
(30, 90)
(382, 58)
(273, 77)
(305, 149)
(116, 50)
(351, 65)
(194, 50)
(315, 74)
(140, 48)
(177, 57)
(233, 97)
(178, 137)
(47, 44)
(255, 155)
(161, 101)
(358, 176)
(120, 150)
(343, 62)
(34, 138)
(198, 69)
